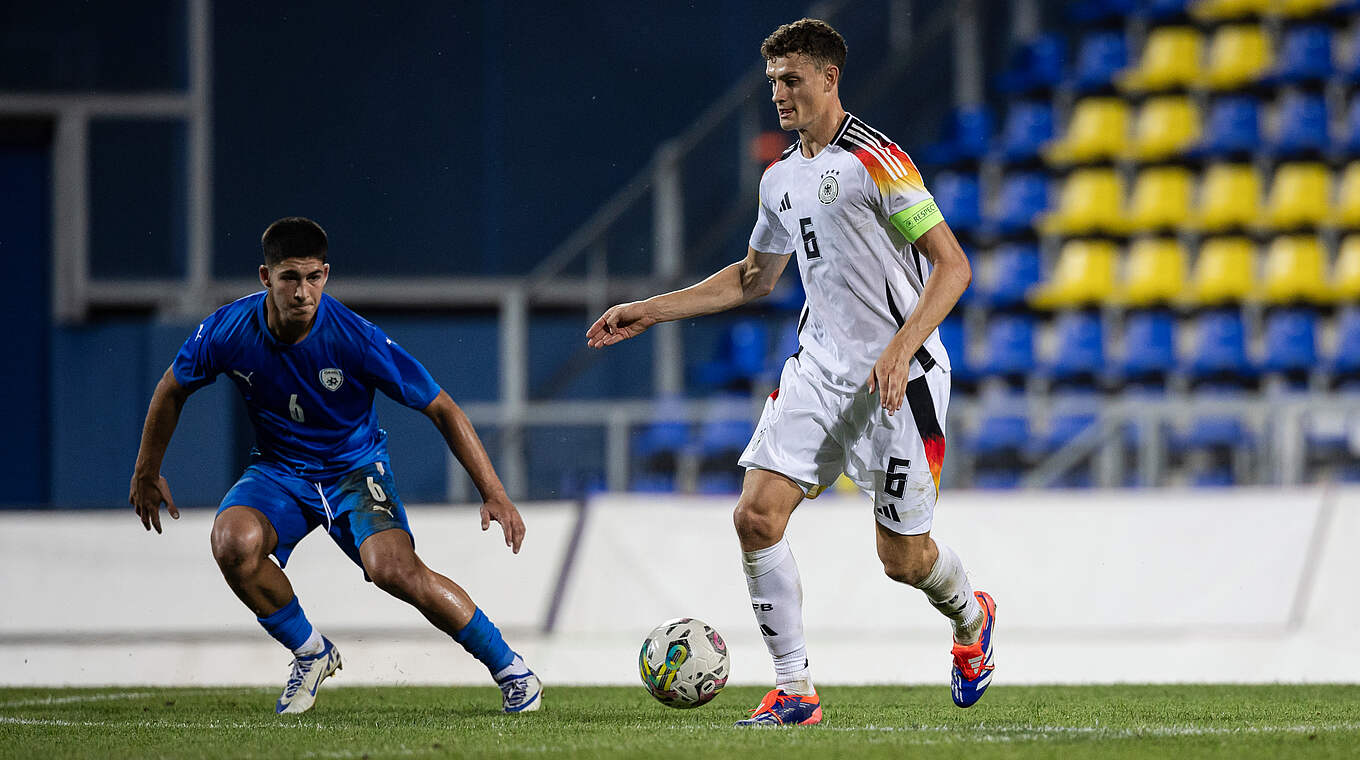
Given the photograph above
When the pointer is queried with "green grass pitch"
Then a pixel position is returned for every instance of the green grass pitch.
(1160, 722)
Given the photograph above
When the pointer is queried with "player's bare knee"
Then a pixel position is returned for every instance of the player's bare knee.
(238, 546)
(911, 570)
(755, 526)
(395, 576)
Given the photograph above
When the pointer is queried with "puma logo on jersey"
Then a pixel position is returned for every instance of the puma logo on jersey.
(244, 376)
(784, 205)
(377, 507)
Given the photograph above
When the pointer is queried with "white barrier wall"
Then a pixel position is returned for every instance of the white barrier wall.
(1204, 585)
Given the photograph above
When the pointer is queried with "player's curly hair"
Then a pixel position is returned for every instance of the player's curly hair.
(293, 237)
(811, 37)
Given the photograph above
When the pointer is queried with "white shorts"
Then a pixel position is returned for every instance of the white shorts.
(817, 425)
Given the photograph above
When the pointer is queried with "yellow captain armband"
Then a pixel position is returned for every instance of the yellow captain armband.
(914, 221)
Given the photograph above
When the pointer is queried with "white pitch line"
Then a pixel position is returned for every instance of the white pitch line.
(38, 702)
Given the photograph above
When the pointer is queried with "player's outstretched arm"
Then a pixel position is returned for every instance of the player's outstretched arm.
(149, 488)
(950, 275)
(729, 287)
(462, 439)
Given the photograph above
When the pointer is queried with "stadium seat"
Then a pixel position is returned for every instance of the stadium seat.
(1161, 199)
(1347, 212)
(1069, 415)
(959, 198)
(656, 446)
(1149, 345)
(1170, 61)
(1028, 127)
(1305, 57)
(1239, 55)
(952, 336)
(1023, 198)
(739, 358)
(1016, 268)
(1299, 197)
(1224, 272)
(1345, 361)
(1036, 67)
(1166, 126)
(1226, 10)
(1009, 346)
(1295, 271)
(1083, 276)
(1154, 272)
(1233, 129)
(1097, 131)
(1303, 126)
(1100, 57)
(1346, 271)
(1220, 353)
(998, 441)
(967, 134)
(1229, 198)
(1079, 360)
(1290, 342)
(1091, 202)
(785, 345)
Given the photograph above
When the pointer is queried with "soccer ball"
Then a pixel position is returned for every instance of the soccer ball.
(683, 663)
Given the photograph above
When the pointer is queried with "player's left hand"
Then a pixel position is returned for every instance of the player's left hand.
(502, 511)
(889, 376)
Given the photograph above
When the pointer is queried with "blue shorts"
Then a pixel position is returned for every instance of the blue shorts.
(350, 508)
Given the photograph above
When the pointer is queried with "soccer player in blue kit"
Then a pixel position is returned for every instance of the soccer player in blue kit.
(307, 368)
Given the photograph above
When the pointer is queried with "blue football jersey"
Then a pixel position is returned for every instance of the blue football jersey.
(311, 403)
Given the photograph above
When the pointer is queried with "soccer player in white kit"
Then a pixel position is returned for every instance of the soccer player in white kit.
(881, 270)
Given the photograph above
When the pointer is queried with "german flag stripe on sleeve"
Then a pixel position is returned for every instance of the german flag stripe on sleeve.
(889, 167)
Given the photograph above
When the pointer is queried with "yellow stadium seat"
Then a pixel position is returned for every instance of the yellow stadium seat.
(1302, 8)
(1083, 276)
(1224, 272)
(1165, 126)
(1299, 197)
(1347, 212)
(1170, 60)
(1154, 272)
(1238, 55)
(1098, 130)
(1161, 199)
(1229, 198)
(1091, 201)
(1295, 270)
(1346, 271)
(1219, 10)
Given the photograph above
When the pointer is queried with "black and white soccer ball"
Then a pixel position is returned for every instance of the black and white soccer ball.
(683, 663)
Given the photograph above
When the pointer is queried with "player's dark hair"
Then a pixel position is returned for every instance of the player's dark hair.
(293, 237)
(811, 37)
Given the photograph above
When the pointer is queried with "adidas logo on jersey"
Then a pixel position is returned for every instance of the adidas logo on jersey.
(784, 205)
(889, 511)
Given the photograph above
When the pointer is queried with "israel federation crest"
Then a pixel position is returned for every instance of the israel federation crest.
(331, 378)
(828, 190)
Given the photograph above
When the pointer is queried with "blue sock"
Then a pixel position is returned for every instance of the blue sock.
(482, 639)
(288, 626)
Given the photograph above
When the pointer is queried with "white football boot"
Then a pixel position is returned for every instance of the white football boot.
(521, 692)
(299, 694)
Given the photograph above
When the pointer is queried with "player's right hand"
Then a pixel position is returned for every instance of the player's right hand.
(146, 496)
(619, 323)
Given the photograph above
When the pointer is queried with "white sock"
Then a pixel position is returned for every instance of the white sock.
(777, 600)
(949, 591)
(313, 645)
(515, 667)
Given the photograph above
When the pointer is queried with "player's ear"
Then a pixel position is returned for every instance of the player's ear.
(264, 276)
(832, 76)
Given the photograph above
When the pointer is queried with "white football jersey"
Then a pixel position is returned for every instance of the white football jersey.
(862, 275)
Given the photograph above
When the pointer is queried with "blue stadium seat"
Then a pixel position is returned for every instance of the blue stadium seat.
(952, 336)
(1099, 58)
(1023, 197)
(1036, 67)
(1232, 130)
(1220, 356)
(966, 136)
(1345, 363)
(656, 446)
(1029, 125)
(999, 441)
(1009, 346)
(1291, 342)
(1080, 358)
(1149, 346)
(1305, 56)
(785, 345)
(1303, 126)
(960, 200)
(1070, 415)
(739, 359)
(1016, 269)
